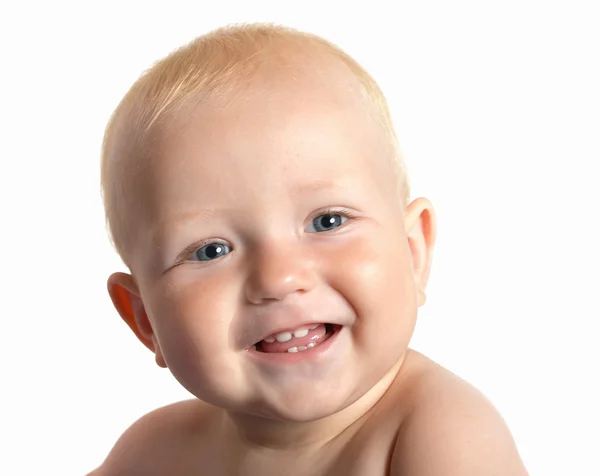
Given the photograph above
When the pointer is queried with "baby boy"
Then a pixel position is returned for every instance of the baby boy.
(254, 188)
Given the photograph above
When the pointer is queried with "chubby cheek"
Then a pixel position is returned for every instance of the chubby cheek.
(374, 275)
(190, 315)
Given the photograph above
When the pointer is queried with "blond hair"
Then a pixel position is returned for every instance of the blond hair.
(211, 66)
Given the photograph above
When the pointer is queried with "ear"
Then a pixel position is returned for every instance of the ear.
(125, 295)
(420, 226)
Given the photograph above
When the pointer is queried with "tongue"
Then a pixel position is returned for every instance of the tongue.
(316, 335)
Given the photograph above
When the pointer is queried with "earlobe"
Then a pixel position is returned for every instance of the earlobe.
(125, 295)
(160, 360)
(421, 234)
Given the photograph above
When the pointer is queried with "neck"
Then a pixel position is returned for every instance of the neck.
(259, 433)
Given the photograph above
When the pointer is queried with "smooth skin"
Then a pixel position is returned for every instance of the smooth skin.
(254, 176)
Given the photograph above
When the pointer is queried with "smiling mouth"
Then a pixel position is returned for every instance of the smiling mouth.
(296, 340)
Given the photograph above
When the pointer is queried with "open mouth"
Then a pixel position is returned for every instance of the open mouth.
(297, 340)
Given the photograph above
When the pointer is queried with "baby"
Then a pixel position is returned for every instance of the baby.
(254, 188)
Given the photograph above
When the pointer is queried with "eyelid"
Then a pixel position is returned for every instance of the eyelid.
(335, 211)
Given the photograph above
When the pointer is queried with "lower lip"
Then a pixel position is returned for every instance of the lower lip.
(307, 355)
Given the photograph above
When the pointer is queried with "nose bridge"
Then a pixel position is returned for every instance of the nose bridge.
(278, 269)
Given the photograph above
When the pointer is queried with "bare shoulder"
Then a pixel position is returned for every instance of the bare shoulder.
(157, 437)
(451, 429)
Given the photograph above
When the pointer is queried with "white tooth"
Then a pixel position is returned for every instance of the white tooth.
(310, 345)
(314, 327)
(293, 349)
(301, 348)
(283, 336)
(270, 340)
(300, 332)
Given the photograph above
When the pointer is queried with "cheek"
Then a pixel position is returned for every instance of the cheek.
(192, 317)
(374, 275)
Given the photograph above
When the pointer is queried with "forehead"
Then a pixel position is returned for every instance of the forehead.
(284, 134)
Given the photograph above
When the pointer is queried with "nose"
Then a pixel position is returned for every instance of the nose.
(278, 271)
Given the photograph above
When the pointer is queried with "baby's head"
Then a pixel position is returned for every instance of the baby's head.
(253, 186)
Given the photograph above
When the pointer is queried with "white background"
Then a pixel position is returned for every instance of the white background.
(497, 106)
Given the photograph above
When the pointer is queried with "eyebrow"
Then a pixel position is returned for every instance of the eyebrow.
(316, 186)
(201, 213)
(181, 219)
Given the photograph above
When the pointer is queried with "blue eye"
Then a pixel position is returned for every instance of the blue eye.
(328, 222)
(212, 251)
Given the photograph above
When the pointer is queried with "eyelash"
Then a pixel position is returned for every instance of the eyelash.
(344, 212)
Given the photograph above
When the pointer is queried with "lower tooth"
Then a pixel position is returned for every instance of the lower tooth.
(301, 348)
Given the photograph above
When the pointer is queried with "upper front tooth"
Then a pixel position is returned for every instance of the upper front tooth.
(270, 340)
(300, 332)
(283, 336)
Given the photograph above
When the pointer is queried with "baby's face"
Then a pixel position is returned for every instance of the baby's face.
(275, 214)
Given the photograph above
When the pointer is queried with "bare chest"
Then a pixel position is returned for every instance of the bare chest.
(362, 455)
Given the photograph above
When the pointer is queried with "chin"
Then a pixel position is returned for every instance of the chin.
(303, 407)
